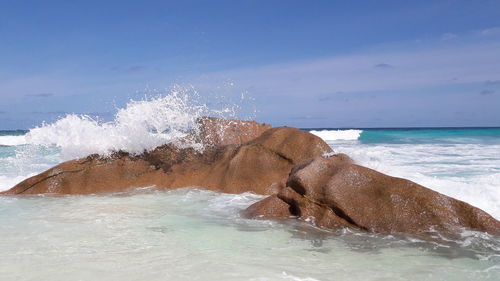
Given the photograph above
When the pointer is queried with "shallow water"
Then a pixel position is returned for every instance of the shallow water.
(191, 234)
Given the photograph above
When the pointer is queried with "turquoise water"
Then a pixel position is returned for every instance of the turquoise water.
(416, 136)
(192, 234)
(12, 132)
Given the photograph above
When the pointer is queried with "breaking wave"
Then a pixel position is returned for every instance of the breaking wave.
(139, 126)
(332, 135)
(12, 140)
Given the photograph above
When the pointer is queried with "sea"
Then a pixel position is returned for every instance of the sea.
(193, 234)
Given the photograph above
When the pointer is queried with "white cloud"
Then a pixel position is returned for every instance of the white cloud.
(490, 31)
(448, 36)
(416, 68)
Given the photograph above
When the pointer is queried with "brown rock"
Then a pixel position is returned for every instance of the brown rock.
(293, 144)
(215, 131)
(261, 166)
(268, 208)
(334, 193)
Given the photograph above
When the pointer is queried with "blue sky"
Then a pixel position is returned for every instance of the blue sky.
(304, 63)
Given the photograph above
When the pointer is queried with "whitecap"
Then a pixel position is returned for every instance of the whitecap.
(332, 135)
(12, 140)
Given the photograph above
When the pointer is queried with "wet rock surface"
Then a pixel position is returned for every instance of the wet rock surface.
(214, 131)
(261, 165)
(332, 192)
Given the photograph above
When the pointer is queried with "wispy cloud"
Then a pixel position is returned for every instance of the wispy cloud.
(448, 36)
(132, 68)
(99, 114)
(486, 92)
(336, 97)
(61, 113)
(50, 112)
(324, 98)
(40, 95)
(418, 67)
(383, 65)
(490, 31)
(309, 117)
(492, 82)
(136, 68)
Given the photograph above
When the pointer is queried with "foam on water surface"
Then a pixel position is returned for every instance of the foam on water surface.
(12, 140)
(333, 135)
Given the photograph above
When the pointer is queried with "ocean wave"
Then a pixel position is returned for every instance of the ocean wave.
(12, 140)
(333, 135)
(140, 126)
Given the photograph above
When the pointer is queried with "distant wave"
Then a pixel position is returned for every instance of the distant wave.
(430, 136)
(333, 135)
(12, 140)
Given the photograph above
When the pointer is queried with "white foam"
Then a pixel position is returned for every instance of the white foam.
(289, 276)
(140, 126)
(7, 182)
(12, 140)
(332, 135)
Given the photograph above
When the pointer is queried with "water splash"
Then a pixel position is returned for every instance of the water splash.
(12, 140)
(140, 126)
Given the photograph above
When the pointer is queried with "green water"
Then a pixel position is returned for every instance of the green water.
(438, 135)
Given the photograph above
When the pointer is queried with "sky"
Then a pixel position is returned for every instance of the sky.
(310, 64)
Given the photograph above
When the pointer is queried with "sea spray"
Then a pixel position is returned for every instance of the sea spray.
(20, 162)
(140, 126)
(12, 140)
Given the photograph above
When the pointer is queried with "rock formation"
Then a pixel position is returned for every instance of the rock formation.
(334, 193)
(261, 165)
(290, 165)
(214, 131)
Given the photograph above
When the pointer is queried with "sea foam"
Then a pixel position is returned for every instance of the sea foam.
(12, 140)
(140, 126)
(333, 135)
(7, 182)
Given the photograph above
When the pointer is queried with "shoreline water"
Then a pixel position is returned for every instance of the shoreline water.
(179, 233)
